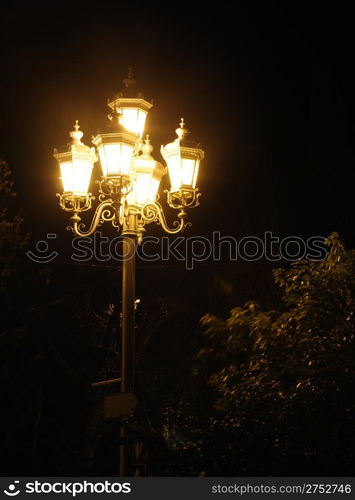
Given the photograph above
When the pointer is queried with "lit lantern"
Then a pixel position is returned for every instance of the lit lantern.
(132, 106)
(146, 177)
(115, 150)
(183, 159)
(76, 163)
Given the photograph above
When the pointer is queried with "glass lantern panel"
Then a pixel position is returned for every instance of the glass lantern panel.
(145, 190)
(133, 119)
(188, 172)
(194, 179)
(174, 168)
(76, 176)
(153, 189)
(66, 172)
(142, 115)
(115, 159)
(141, 188)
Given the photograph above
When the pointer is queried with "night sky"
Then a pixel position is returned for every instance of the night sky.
(267, 89)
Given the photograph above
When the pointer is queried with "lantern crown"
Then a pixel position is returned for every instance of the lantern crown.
(145, 163)
(75, 145)
(147, 148)
(129, 85)
(182, 132)
(182, 147)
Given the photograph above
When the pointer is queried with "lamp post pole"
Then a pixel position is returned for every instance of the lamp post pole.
(129, 242)
(128, 199)
(128, 300)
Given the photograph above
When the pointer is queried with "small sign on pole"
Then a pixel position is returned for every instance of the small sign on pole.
(118, 405)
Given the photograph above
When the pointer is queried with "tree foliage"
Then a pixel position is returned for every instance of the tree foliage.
(284, 379)
(12, 237)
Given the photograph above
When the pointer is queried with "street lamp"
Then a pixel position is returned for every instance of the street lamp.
(76, 162)
(128, 195)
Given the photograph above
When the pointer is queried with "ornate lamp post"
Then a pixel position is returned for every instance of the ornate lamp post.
(128, 193)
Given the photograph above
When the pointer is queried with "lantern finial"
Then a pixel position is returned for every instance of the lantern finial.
(182, 132)
(129, 81)
(147, 148)
(76, 134)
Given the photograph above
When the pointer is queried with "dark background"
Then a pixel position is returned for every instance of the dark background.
(268, 90)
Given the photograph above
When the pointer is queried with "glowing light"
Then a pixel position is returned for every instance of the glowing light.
(146, 177)
(183, 159)
(115, 159)
(182, 172)
(76, 164)
(115, 152)
(133, 119)
(76, 176)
